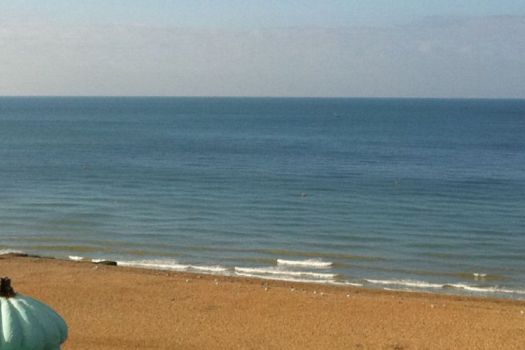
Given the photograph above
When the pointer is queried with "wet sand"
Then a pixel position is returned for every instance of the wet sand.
(108, 307)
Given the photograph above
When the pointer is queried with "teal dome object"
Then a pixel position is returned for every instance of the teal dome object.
(28, 324)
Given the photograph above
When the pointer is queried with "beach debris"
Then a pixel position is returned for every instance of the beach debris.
(13, 254)
(106, 262)
(28, 323)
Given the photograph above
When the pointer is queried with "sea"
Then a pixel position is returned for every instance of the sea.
(422, 195)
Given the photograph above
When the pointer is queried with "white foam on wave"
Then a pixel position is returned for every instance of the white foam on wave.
(346, 283)
(479, 275)
(211, 269)
(406, 283)
(153, 264)
(171, 265)
(75, 258)
(11, 251)
(485, 289)
(265, 271)
(311, 263)
(283, 278)
(427, 285)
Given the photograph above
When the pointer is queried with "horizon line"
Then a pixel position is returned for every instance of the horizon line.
(266, 97)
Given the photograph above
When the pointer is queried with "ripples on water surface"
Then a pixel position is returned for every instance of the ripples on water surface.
(403, 194)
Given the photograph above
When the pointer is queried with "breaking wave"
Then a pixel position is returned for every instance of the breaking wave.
(311, 263)
(11, 251)
(457, 286)
(75, 258)
(172, 265)
(272, 271)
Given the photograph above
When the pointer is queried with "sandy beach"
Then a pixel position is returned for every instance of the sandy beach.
(108, 307)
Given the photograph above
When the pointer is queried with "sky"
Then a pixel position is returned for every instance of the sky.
(331, 48)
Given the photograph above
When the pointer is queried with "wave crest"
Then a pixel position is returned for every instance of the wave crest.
(311, 263)
(460, 286)
(171, 265)
(262, 271)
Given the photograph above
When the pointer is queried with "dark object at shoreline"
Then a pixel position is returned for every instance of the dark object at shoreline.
(106, 262)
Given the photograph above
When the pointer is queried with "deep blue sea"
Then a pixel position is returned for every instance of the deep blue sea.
(411, 194)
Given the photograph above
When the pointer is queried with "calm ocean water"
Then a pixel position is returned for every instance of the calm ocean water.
(405, 194)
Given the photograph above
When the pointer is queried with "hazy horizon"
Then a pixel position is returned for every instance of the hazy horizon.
(263, 97)
(291, 48)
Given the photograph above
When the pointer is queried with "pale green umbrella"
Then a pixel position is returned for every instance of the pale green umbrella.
(28, 324)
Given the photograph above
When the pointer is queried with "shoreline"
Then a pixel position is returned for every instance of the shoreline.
(323, 275)
(108, 307)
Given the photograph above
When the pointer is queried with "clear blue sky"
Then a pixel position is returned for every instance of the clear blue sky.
(392, 48)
